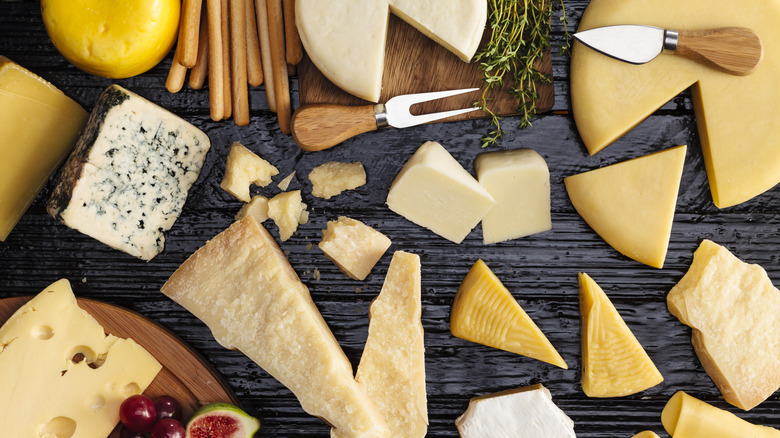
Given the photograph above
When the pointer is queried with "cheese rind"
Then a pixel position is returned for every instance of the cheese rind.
(243, 288)
(688, 417)
(332, 178)
(353, 246)
(732, 308)
(244, 168)
(435, 192)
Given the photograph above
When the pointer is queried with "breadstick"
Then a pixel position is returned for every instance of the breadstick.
(225, 26)
(291, 37)
(265, 51)
(216, 70)
(238, 62)
(198, 72)
(188, 33)
(254, 64)
(176, 75)
(279, 64)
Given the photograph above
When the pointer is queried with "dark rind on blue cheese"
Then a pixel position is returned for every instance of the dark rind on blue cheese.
(126, 181)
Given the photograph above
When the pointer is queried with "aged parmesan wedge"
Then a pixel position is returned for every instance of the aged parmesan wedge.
(287, 211)
(243, 169)
(257, 207)
(392, 367)
(243, 288)
(688, 417)
(732, 308)
(614, 364)
(353, 246)
(331, 178)
(486, 313)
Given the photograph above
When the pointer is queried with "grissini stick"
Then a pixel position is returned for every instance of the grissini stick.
(216, 70)
(176, 75)
(225, 26)
(189, 32)
(291, 37)
(254, 62)
(198, 72)
(279, 64)
(265, 51)
(238, 62)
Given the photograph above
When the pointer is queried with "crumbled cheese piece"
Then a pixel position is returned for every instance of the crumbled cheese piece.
(285, 183)
(286, 211)
(353, 246)
(332, 178)
(244, 168)
(257, 207)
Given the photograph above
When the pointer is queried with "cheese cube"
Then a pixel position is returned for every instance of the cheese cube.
(332, 178)
(520, 183)
(353, 246)
(257, 207)
(244, 168)
(434, 191)
(688, 417)
(39, 125)
(287, 211)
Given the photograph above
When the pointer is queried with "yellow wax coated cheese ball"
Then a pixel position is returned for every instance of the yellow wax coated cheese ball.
(113, 39)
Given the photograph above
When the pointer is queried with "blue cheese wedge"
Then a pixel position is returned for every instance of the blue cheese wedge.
(127, 180)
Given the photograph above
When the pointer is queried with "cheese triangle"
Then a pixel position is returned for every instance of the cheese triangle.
(486, 313)
(685, 416)
(614, 363)
(631, 204)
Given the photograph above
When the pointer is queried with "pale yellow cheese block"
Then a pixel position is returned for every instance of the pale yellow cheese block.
(688, 417)
(287, 211)
(331, 178)
(736, 115)
(39, 126)
(392, 368)
(614, 364)
(732, 308)
(242, 287)
(353, 246)
(631, 204)
(257, 207)
(646, 434)
(244, 168)
(42, 390)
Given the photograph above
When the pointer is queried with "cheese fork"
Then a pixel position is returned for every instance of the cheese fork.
(319, 126)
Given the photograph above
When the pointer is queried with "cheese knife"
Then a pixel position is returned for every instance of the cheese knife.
(734, 50)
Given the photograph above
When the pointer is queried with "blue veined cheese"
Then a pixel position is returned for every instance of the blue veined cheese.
(127, 180)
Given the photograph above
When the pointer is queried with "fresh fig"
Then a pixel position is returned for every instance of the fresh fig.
(222, 420)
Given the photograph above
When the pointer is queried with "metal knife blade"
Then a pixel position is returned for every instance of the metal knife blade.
(631, 43)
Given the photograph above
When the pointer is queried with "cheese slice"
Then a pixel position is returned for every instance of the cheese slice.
(353, 246)
(736, 115)
(614, 364)
(646, 434)
(486, 313)
(39, 125)
(631, 204)
(243, 288)
(392, 367)
(688, 417)
(732, 308)
(345, 39)
(60, 375)
(521, 412)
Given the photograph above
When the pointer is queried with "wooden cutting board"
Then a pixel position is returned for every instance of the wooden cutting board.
(185, 375)
(416, 64)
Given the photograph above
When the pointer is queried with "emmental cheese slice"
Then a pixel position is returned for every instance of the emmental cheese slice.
(392, 367)
(614, 364)
(60, 375)
(736, 115)
(486, 313)
(688, 417)
(732, 308)
(631, 204)
(243, 288)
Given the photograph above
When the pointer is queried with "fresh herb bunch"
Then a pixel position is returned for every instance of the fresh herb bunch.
(520, 37)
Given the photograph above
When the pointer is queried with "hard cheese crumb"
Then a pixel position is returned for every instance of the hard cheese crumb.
(257, 207)
(285, 183)
(332, 178)
(286, 209)
(353, 246)
(243, 168)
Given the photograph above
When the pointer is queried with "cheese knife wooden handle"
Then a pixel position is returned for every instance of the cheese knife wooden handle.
(319, 126)
(734, 50)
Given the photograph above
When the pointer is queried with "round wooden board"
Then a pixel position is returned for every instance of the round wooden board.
(185, 375)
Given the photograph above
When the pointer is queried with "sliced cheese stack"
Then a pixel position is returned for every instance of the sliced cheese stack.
(353, 246)
(44, 392)
(736, 115)
(613, 361)
(688, 417)
(486, 313)
(39, 125)
(732, 308)
(631, 204)
(243, 288)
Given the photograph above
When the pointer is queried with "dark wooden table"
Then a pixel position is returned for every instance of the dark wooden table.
(541, 271)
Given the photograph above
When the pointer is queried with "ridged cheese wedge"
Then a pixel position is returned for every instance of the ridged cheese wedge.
(631, 204)
(486, 313)
(688, 417)
(614, 363)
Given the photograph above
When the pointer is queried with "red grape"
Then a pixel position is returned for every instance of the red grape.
(138, 413)
(167, 407)
(168, 428)
(127, 433)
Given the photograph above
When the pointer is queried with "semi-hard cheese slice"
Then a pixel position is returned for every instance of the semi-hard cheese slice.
(345, 39)
(736, 115)
(353, 246)
(60, 375)
(688, 417)
(127, 180)
(434, 191)
(242, 287)
(39, 125)
(732, 308)
(631, 204)
(521, 412)
(392, 367)
(614, 363)
(486, 313)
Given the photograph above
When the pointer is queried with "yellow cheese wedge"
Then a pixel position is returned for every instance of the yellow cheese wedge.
(44, 392)
(646, 434)
(614, 363)
(688, 417)
(353, 246)
(112, 39)
(631, 204)
(732, 308)
(736, 115)
(39, 126)
(486, 313)
(392, 367)
(242, 287)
